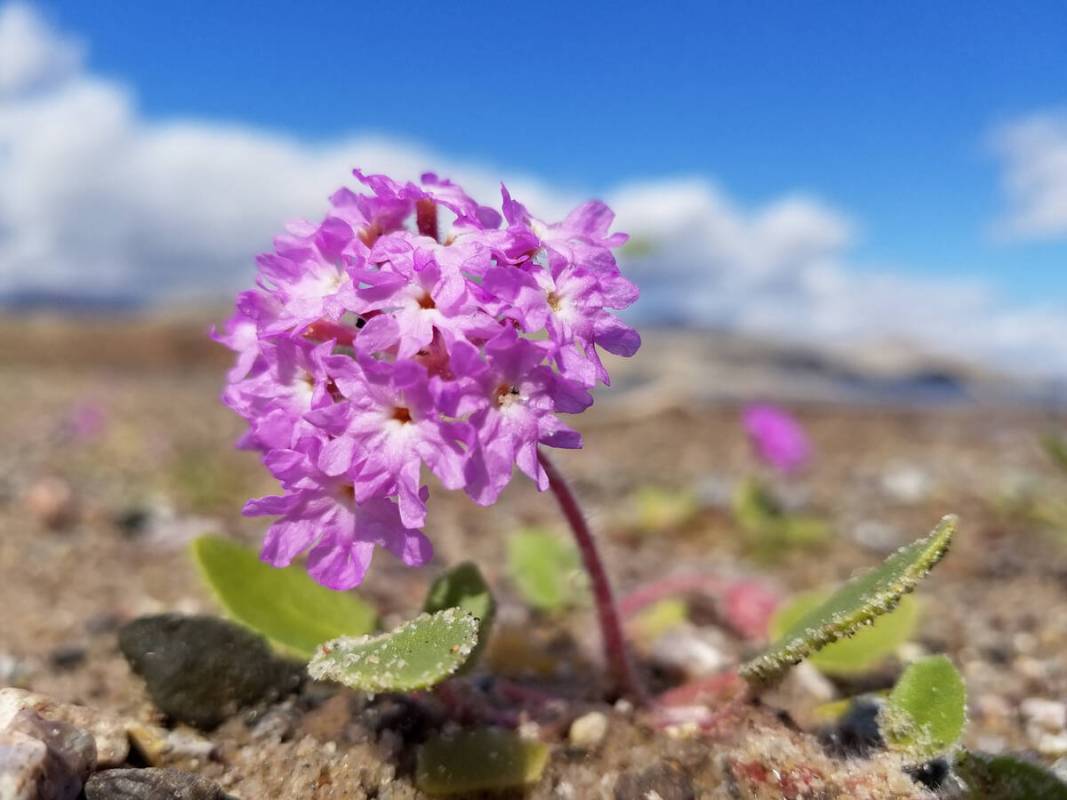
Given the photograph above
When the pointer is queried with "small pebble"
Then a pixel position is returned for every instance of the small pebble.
(151, 784)
(696, 652)
(158, 746)
(67, 657)
(665, 781)
(589, 730)
(51, 502)
(108, 732)
(69, 756)
(1049, 715)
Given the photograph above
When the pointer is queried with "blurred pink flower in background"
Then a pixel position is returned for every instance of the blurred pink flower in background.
(776, 436)
(85, 422)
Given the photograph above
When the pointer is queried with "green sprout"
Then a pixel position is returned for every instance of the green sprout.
(284, 605)
(925, 714)
(546, 569)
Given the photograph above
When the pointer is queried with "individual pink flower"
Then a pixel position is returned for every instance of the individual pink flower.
(777, 437)
(318, 513)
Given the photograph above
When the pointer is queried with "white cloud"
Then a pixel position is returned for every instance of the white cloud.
(1034, 155)
(94, 198)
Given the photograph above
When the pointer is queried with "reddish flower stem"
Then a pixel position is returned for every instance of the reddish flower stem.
(616, 653)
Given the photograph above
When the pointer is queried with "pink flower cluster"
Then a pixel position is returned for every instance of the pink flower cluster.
(378, 343)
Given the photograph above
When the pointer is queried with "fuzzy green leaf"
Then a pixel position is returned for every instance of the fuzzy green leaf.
(1007, 778)
(861, 652)
(285, 605)
(417, 655)
(856, 604)
(477, 761)
(926, 712)
(464, 587)
(545, 569)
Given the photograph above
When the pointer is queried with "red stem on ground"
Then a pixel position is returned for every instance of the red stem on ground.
(671, 586)
(616, 652)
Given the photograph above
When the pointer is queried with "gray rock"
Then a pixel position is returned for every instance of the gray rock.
(151, 784)
(108, 732)
(666, 781)
(202, 670)
(52, 769)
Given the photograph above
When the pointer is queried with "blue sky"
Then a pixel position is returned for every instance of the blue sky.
(883, 110)
(848, 173)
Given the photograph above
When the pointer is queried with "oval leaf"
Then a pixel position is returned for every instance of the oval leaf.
(478, 761)
(856, 604)
(861, 652)
(1007, 778)
(283, 604)
(926, 712)
(464, 587)
(419, 654)
(545, 569)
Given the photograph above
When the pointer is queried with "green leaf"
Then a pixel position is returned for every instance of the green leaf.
(417, 655)
(661, 509)
(464, 587)
(545, 569)
(480, 760)
(1007, 778)
(859, 653)
(754, 506)
(770, 531)
(663, 615)
(926, 712)
(285, 605)
(1056, 447)
(856, 604)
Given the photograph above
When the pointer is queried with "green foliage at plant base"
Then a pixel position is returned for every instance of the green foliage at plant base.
(480, 760)
(856, 604)
(285, 605)
(546, 569)
(417, 655)
(658, 509)
(1007, 778)
(1056, 447)
(857, 654)
(463, 587)
(652, 622)
(771, 533)
(926, 712)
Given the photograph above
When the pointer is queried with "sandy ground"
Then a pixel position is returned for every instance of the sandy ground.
(155, 444)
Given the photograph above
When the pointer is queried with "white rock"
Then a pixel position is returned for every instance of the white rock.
(22, 765)
(1047, 715)
(697, 652)
(1051, 744)
(159, 746)
(589, 730)
(906, 484)
(109, 733)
